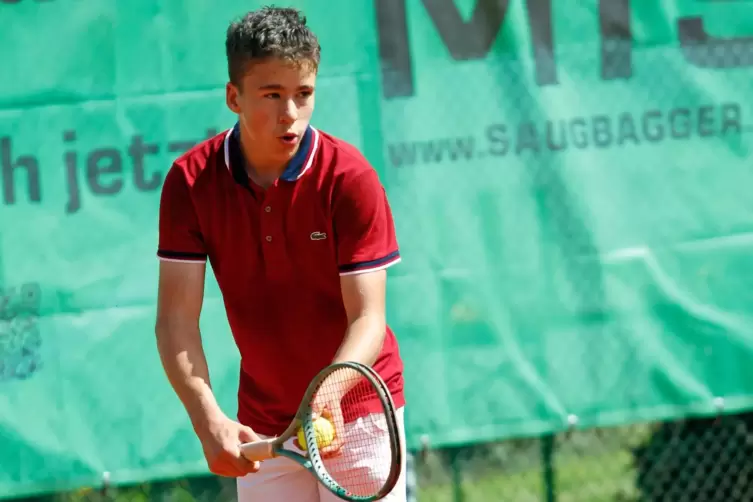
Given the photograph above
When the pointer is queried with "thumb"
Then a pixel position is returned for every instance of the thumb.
(247, 435)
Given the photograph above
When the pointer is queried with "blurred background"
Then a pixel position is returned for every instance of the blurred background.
(571, 185)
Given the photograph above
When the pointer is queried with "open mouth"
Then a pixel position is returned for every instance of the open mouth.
(289, 138)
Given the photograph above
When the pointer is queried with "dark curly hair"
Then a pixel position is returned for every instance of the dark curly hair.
(270, 32)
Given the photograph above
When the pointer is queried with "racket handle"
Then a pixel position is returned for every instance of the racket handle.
(258, 450)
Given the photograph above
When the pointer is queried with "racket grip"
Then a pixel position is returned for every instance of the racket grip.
(258, 450)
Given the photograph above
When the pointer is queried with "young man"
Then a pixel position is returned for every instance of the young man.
(298, 230)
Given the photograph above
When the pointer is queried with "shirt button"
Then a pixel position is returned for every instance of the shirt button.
(267, 209)
(269, 238)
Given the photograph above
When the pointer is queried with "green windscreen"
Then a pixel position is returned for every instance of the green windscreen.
(570, 181)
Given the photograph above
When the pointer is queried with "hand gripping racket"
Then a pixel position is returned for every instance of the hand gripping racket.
(359, 390)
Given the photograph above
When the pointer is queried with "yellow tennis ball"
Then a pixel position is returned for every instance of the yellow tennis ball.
(325, 433)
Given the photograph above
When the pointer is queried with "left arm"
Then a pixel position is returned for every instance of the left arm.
(366, 247)
(364, 299)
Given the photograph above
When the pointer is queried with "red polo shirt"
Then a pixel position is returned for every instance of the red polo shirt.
(278, 255)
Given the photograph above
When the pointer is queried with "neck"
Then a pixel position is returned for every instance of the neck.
(261, 169)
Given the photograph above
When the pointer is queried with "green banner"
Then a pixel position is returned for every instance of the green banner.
(570, 185)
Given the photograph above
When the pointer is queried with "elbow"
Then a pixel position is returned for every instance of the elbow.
(380, 326)
(162, 336)
(161, 328)
(376, 324)
(165, 329)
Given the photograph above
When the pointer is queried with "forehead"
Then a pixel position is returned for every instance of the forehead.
(284, 72)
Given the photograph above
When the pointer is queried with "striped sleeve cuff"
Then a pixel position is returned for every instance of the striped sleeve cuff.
(180, 256)
(371, 265)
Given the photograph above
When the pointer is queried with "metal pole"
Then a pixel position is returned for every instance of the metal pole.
(457, 476)
(547, 461)
(106, 486)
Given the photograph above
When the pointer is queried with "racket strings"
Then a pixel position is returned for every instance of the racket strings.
(364, 460)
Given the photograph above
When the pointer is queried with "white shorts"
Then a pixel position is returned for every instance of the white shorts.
(282, 480)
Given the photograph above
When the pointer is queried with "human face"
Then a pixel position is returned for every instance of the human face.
(274, 107)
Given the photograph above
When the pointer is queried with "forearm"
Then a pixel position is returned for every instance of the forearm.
(185, 365)
(363, 340)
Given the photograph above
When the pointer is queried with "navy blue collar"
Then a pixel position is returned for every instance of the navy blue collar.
(297, 166)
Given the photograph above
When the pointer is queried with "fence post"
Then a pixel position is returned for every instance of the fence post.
(457, 477)
(105, 491)
(547, 461)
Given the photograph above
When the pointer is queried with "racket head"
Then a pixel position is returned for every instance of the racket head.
(352, 385)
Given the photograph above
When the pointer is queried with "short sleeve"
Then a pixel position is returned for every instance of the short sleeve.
(363, 225)
(179, 234)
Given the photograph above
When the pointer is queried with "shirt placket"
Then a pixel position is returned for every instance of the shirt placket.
(272, 234)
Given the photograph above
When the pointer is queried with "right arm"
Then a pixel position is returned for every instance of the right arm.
(183, 256)
(182, 269)
(179, 299)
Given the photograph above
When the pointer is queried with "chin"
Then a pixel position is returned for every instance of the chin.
(288, 154)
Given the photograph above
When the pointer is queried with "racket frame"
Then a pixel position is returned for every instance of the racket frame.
(313, 461)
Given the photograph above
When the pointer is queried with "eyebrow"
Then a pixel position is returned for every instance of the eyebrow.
(278, 87)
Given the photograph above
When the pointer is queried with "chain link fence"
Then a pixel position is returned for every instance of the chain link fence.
(704, 459)
(682, 461)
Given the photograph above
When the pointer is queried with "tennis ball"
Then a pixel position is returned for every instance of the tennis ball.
(325, 433)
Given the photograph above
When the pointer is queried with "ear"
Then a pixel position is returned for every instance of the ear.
(231, 98)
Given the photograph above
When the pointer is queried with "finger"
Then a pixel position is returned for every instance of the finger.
(247, 435)
(316, 408)
(218, 467)
(245, 466)
(330, 454)
(332, 449)
(239, 462)
(227, 469)
(248, 466)
(339, 422)
(339, 427)
(253, 467)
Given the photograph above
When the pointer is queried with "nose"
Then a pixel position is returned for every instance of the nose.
(289, 112)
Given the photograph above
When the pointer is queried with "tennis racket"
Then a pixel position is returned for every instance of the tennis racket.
(352, 385)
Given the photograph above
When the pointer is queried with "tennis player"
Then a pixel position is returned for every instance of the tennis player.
(298, 230)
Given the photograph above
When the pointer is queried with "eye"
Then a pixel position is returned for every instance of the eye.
(273, 95)
(306, 94)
